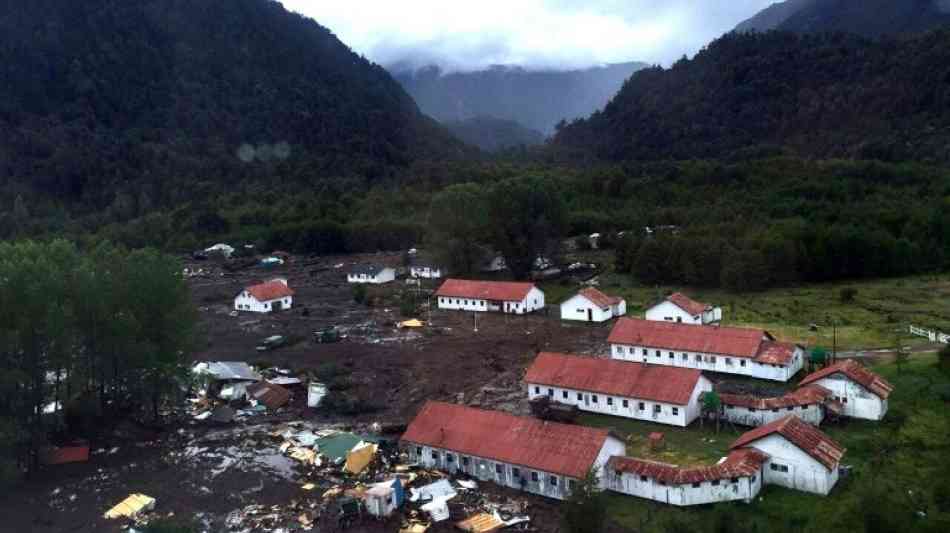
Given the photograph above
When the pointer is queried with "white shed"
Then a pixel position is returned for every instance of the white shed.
(678, 307)
(372, 274)
(425, 272)
(801, 456)
(591, 305)
(861, 392)
(274, 295)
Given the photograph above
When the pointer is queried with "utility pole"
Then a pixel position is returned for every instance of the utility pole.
(834, 341)
(475, 315)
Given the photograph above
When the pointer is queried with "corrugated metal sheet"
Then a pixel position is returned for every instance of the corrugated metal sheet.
(504, 291)
(686, 303)
(598, 298)
(739, 463)
(776, 353)
(856, 372)
(271, 290)
(619, 378)
(547, 446)
(269, 394)
(806, 437)
(737, 342)
(481, 523)
(807, 395)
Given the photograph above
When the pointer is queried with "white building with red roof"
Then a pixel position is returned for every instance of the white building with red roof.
(489, 296)
(730, 350)
(809, 403)
(273, 295)
(591, 305)
(653, 393)
(680, 308)
(801, 456)
(545, 458)
(861, 392)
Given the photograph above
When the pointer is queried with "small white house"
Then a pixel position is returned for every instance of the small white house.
(489, 296)
(801, 456)
(653, 393)
(425, 272)
(808, 403)
(861, 392)
(736, 477)
(274, 295)
(544, 458)
(678, 307)
(728, 350)
(373, 274)
(591, 305)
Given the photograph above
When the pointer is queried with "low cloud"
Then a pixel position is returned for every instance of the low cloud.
(561, 34)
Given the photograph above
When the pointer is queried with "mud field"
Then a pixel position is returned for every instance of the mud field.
(234, 477)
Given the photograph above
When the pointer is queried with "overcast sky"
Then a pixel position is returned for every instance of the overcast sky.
(472, 34)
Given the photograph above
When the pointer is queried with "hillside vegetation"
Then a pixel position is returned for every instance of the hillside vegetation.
(870, 18)
(826, 95)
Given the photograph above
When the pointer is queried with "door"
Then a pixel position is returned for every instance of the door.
(590, 315)
(277, 305)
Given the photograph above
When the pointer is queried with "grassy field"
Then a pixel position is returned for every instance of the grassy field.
(899, 469)
(878, 317)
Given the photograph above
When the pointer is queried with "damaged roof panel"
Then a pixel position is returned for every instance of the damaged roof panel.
(806, 437)
(743, 462)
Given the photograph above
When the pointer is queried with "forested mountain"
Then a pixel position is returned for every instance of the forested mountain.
(870, 18)
(814, 95)
(161, 102)
(493, 134)
(537, 99)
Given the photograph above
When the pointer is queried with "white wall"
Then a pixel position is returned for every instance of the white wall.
(532, 302)
(858, 402)
(383, 276)
(727, 364)
(803, 472)
(425, 272)
(744, 488)
(745, 416)
(577, 308)
(614, 405)
(246, 302)
(666, 311)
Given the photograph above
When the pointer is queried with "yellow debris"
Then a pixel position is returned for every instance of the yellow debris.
(414, 323)
(359, 458)
(131, 506)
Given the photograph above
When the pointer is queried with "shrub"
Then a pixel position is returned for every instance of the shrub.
(359, 293)
(943, 360)
(847, 294)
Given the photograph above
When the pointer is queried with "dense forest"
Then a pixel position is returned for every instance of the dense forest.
(494, 134)
(117, 108)
(870, 18)
(825, 95)
(536, 99)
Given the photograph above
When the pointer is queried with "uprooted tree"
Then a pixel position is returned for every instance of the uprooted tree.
(85, 337)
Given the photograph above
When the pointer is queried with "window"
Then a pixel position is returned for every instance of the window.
(715, 483)
(534, 476)
(482, 303)
(844, 400)
(671, 355)
(644, 351)
(497, 468)
(774, 410)
(752, 409)
(553, 481)
(626, 404)
(658, 353)
(580, 396)
(618, 473)
(564, 394)
(465, 461)
(515, 472)
(792, 407)
(449, 458)
(435, 454)
(593, 398)
(752, 479)
(662, 483)
(730, 407)
(551, 393)
(685, 357)
(742, 362)
(641, 406)
(580, 310)
(571, 484)
(735, 480)
(696, 485)
(712, 360)
(676, 411)
(699, 358)
(537, 390)
(418, 450)
(610, 401)
(657, 408)
(643, 478)
(729, 361)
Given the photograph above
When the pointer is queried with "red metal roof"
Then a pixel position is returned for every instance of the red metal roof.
(743, 462)
(505, 291)
(271, 395)
(561, 449)
(776, 353)
(598, 298)
(686, 303)
(619, 378)
(738, 342)
(271, 290)
(856, 372)
(806, 437)
(807, 395)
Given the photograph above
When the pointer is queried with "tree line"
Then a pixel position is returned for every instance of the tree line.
(85, 337)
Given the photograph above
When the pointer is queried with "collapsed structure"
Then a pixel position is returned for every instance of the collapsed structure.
(640, 391)
(809, 403)
(729, 350)
(544, 458)
(861, 392)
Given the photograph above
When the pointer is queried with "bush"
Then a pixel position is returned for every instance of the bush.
(847, 295)
(359, 293)
(407, 306)
(943, 360)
